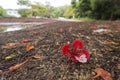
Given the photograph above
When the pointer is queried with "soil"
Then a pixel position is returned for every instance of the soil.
(104, 48)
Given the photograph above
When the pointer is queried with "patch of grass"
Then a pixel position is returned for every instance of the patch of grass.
(85, 19)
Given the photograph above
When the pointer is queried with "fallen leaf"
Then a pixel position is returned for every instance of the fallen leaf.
(1, 72)
(25, 40)
(70, 30)
(118, 66)
(36, 56)
(104, 74)
(10, 56)
(29, 47)
(9, 45)
(61, 30)
(17, 66)
(35, 33)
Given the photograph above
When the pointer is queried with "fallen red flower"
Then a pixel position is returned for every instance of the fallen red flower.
(74, 53)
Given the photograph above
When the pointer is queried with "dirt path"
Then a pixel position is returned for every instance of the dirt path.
(104, 48)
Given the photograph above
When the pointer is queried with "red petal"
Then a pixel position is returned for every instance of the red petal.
(65, 49)
(86, 53)
(73, 59)
(78, 44)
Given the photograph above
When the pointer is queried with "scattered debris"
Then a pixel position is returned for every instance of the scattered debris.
(17, 66)
(104, 74)
(101, 30)
(118, 66)
(25, 40)
(29, 47)
(10, 56)
(9, 45)
(36, 56)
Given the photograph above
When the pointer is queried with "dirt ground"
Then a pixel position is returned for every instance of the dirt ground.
(104, 48)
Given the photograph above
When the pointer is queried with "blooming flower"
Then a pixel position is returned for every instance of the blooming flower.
(76, 53)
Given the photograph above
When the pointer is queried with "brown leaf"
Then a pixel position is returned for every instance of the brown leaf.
(36, 56)
(9, 45)
(29, 47)
(1, 72)
(118, 66)
(104, 74)
(61, 30)
(17, 66)
(35, 33)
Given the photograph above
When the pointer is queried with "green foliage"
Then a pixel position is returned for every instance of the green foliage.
(50, 11)
(38, 9)
(25, 12)
(2, 12)
(59, 11)
(97, 9)
(69, 13)
(83, 8)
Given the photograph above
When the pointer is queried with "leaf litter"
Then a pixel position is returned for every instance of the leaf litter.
(51, 52)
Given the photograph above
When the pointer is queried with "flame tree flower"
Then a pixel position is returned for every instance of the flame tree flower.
(76, 51)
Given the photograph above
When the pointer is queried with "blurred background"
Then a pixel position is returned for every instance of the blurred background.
(71, 9)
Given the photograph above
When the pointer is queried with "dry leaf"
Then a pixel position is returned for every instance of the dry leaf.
(25, 40)
(61, 30)
(29, 47)
(70, 30)
(118, 66)
(17, 66)
(35, 33)
(104, 74)
(10, 56)
(36, 56)
(9, 45)
(1, 72)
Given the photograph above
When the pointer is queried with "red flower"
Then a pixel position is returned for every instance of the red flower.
(78, 44)
(74, 54)
(65, 49)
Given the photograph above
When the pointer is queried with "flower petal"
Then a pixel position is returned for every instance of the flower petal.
(81, 59)
(73, 59)
(78, 44)
(86, 53)
(65, 49)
